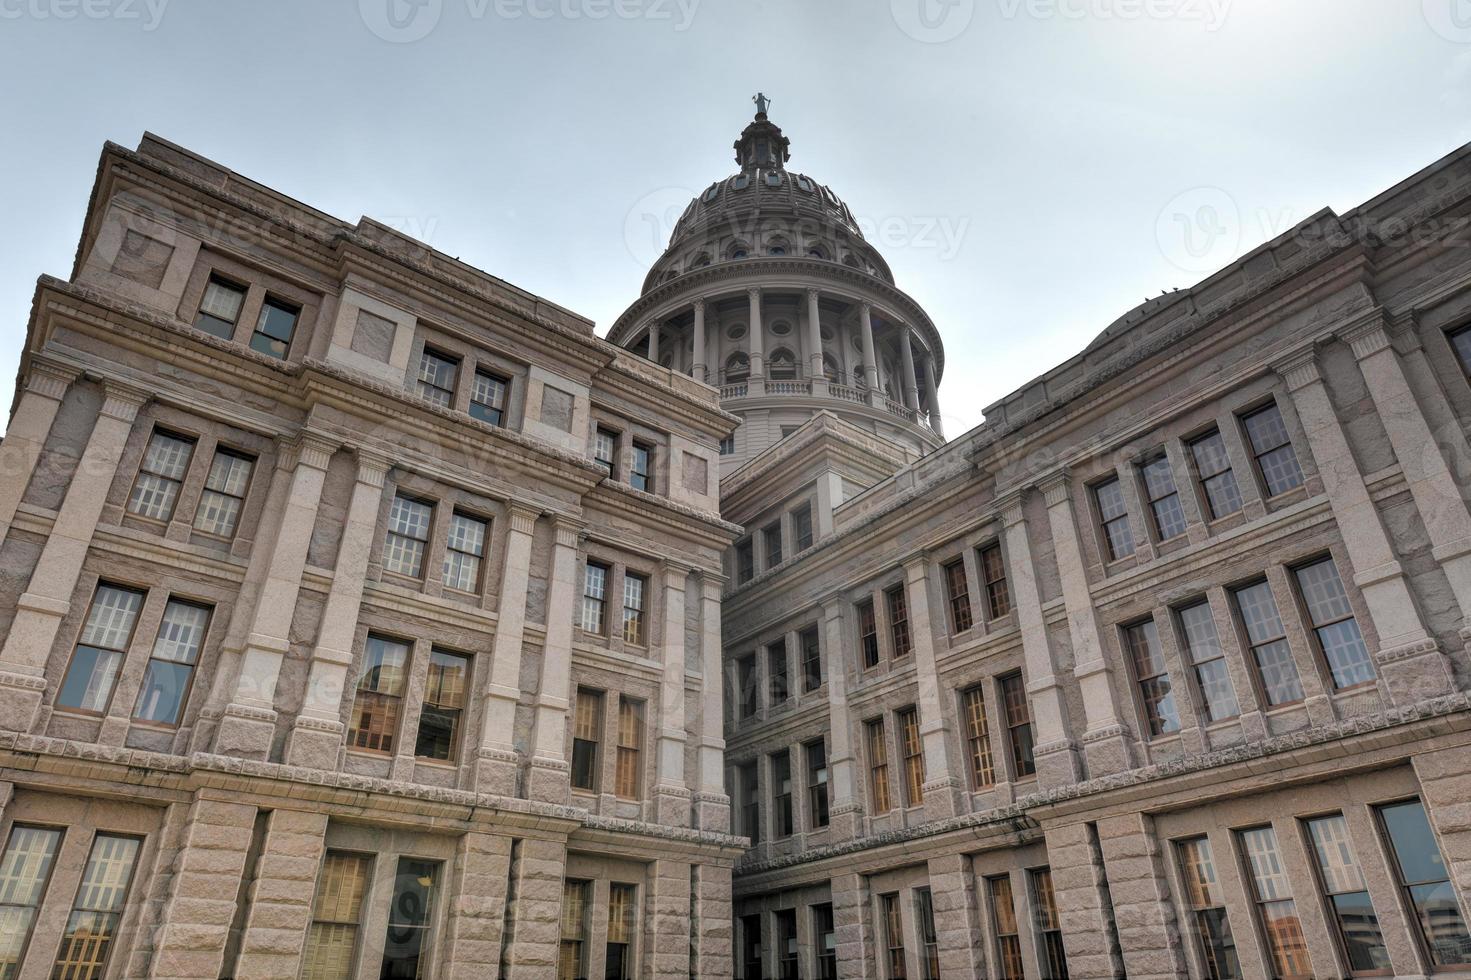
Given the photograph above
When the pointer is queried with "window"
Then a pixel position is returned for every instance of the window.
(1213, 469)
(745, 561)
(817, 783)
(924, 923)
(161, 475)
(898, 620)
(1268, 639)
(336, 916)
(576, 904)
(1049, 925)
(641, 477)
(488, 398)
(750, 937)
(802, 527)
(219, 507)
(25, 869)
(781, 795)
(99, 653)
(171, 666)
(1461, 341)
(957, 588)
(1018, 724)
(1164, 499)
(827, 941)
(1153, 678)
(408, 947)
(1208, 910)
(912, 747)
(1203, 647)
(628, 775)
(1421, 872)
(771, 538)
(993, 574)
(1114, 516)
(634, 587)
(1333, 623)
(777, 688)
(978, 739)
(379, 699)
(750, 802)
(587, 734)
(408, 535)
(219, 310)
(868, 634)
(444, 706)
(437, 377)
(727, 445)
(1004, 925)
(893, 936)
(98, 908)
(878, 766)
(1347, 894)
(273, 330)
(594, 597)
(811, 651)
(605, 450)
(622, 907)
(463, 552)
(1276, 460)
(786, 944)
(1276, 910)
(746, 680)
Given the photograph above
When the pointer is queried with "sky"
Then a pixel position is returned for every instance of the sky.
(1031, 169)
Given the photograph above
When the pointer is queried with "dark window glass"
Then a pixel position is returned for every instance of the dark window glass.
(802, 528)
(827, 944)
(1275, 906)
(641, 476)
(622, 912)
(1114, 516)
(1461, 341)
(1426, 882)
(1164, 499)
(817, 783)
(274, 328)
(771, 537)
(750, 936)
(781, 795)
(746, 680)
(1276, 460)
(98, 656)
(993, 574)
(1155, 691)
(929, 940)
(1347, 894)
(605, 450)
(219, 309)
(957, 589)
(407, 947)
(898, 620)
(445, 688)
(811, 659)
(488, 398)
(778, 689)
(868, 634)
(1018, 724)
(750, 803)
(1213, 467)
(1004, 926)
(1203, 647)
(893, 937)
(170, 668)
(1208, 910)
(745, 561)
(1268, 639)
(436, 382)
(786, 944)
(587, 734)
(1049, 925)
(1333, 623)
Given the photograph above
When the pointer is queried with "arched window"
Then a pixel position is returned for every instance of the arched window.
(859, 380)
(737, 368)
(831, 370)
(669, 274)
(850, 261)
(700, 261)
(776, 250)
(739, 250)
(782, 365)
(817, 250)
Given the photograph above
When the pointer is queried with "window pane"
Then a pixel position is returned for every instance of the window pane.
(220, 308)
(332, 939)
(165, 463)
(407, 945)
(277, 321)
(110, 622)
(1423, 872)
(24, 872)
(161, 697)
(1461, 341)
(1333, 621)
(379, 689)
(93, 923)
(444, 701)
(437, 377)
(1269, 441)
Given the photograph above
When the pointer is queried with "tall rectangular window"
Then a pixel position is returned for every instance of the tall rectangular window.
(929, 940)
(811, 646)
(444, 706)
(746, 681)
(778, 690)
(1333, 623)
(622, 914)
(802, 527)
(408, 536)
(913, 748)
(634, 589)
(771, 539)
(488, 398)
(1461, 342)
(1213, 469)
(1276, 910)
(101, 897)
(161, 475)
(274, 328)
(868, 634)
(787, 952)
(1164, 499)
(827, 941)
(170, 670)
(1153, 678)
(1113, 515)
(751, 947)
(587, 734)
(817, 783)
(878, 766)
(436, 381)
(379, 701)
(337, 913)
(1271, 447)
(1208, 910)
(745, 561)
(978, 739)
(781, 795)
(1208, 660)
(641, 474)
(25, 871)
(464, 552)
(628, 774)
(1018, 724)
(98, 657)
(1049, 925)
(605, 450)
(893, 936)
(223, 496)
(1268, 638)
(1347, 894)
(572, 954)
(1421, 872)
(594, 597)
(957, 590)
(750, 799)
(1004, 925)
(219, 310)
(408, 945)
(898, 605)
(993, 575)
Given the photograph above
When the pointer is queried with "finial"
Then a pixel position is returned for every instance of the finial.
(762, 102)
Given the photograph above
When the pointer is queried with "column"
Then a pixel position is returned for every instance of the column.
(957, 917)
(1105, 740)
(281, 896)
(39, 402)
(1080, 887)
(477, 906)
(910, 379)
(654, 341)
(497, 762)
(1408, 658)
(942, 790)
(1143, 912)
(853, 927)
(814, 345)
(316, 735)
(701, 368)
(712, 917)
(248, 724)
(549, 778)
(757, 346)
(1055, 752)
(671, 795)
(932, 396)
(844, 812)
(667, 935)
(48, 594)
(1445, 786)
(870, 361)
(536, 926)
(712, 806)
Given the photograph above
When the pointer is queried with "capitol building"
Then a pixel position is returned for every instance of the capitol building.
(363, 615)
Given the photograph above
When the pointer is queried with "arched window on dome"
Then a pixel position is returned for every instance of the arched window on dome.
(830, 369)
(804, 183)
(739, 250)
(669, 274)
(817, 250)
(700, 261)
(737, 368)
(851, 261)
(860, 380)
(777, 249)
(782, 365)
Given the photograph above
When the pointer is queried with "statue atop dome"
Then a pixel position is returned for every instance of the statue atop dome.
(762, 102)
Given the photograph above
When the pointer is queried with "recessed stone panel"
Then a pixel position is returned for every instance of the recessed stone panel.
(142, 259)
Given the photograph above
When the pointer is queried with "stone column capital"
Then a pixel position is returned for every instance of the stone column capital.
(698, 306)
(122, 401)
(812, 293)
(1298, 369)
(712, 585)
(865, 309)
(675, 572)
(50, 380)
(1367, 337)
(916, 566)
(566, 532)
(373, 467)
(314, 450)
(1056, 486)
(754, 292)
(523, 519)
(1010, 506)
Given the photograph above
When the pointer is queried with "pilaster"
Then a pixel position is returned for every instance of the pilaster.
(844, 814)
(942, 790)
(497, 763)
(549, 778)
(35, 411)
(711, 804)
(671, 796)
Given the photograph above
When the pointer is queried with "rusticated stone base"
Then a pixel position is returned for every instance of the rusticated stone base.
(497, 772)
(671, 806)
(549, 781)
(1415, 672)
(314, 743)
(712, 812)
(245, 732)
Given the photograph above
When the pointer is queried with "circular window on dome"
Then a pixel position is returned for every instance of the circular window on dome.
(781, 328)
(827, 334)
(736, 331)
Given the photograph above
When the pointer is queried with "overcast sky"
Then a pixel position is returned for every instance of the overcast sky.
(1031, 168)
